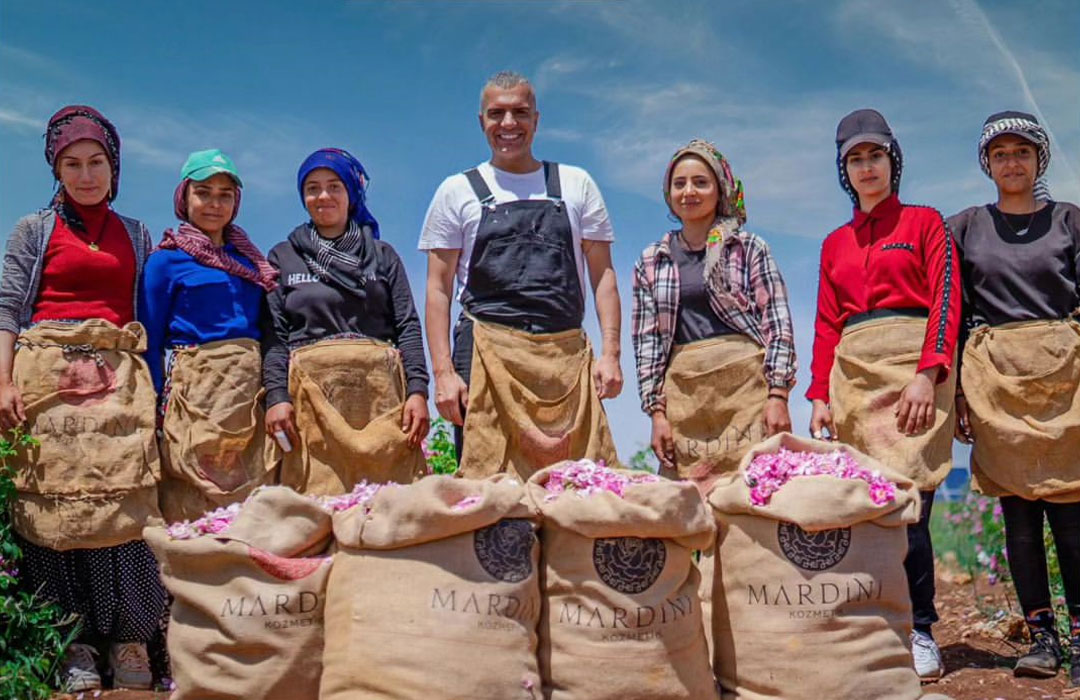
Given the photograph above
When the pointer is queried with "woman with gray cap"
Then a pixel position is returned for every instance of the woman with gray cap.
(888, 315)
(72, 374)
(1020, 401)
(202, 293)
(712, 331)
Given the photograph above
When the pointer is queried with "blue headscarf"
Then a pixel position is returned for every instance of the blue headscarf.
(352, 174)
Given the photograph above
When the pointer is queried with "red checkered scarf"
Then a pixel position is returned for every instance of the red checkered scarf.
(199, 246)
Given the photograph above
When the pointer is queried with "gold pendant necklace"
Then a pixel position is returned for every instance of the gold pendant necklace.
(93, 246)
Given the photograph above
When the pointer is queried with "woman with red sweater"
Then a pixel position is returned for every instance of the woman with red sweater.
(888, 315)
(71, 373)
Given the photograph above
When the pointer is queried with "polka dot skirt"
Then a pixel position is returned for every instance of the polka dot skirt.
(116, 590)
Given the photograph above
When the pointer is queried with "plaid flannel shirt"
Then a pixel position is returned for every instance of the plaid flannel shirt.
(748, 294)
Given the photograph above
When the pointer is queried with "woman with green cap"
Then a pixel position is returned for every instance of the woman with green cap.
(203, 290)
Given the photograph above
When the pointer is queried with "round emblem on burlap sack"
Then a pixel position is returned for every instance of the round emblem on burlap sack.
(629, 564)
(813, 551)
(505, 549)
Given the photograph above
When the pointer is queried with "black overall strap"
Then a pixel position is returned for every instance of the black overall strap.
(479, 187)
(551, 180)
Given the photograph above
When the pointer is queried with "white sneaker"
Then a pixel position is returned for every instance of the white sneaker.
(924, 650)
(130, 666)
(80, 669)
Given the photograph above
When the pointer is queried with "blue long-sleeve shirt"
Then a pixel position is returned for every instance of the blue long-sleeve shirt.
(184, 302)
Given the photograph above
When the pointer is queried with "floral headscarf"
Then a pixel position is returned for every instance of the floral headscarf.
(731, 212)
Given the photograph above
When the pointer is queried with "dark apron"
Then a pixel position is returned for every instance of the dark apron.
(523, 270)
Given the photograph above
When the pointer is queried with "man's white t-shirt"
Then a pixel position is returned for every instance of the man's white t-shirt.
(454, 214)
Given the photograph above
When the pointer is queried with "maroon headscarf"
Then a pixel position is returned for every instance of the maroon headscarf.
(75, 123)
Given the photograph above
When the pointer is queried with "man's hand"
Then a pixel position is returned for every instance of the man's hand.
(607, 374)
(662, 442)
(414, 419)
(963, 421)
(776, 418)
(451, 396)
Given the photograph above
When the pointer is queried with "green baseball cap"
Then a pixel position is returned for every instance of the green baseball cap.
(201, 165)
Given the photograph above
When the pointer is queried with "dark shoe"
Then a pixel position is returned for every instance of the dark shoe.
(1044, 658)
(1074, 667)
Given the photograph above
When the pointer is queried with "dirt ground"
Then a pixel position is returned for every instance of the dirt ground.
(979, 653)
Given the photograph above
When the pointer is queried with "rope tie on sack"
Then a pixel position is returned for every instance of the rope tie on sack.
(82, 349)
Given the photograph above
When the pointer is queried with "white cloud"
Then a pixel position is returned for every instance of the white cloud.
(19, 121)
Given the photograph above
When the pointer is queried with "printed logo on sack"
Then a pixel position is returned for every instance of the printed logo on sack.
(84, 383)
(629, 564)
(505, 549)
(813, 551)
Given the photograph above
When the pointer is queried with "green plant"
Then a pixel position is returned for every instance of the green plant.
(644, 459)
(439, 449)
(34, 633)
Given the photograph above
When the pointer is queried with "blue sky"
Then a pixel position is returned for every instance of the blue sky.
(621, 84)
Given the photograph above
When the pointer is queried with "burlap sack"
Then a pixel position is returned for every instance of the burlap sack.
(348, 397)
(247, 611)
(215, 448)
(706, 566)
(621, 615)
(435, 596)
(716, 393)
(90, 401)
(875, 360)
(810, 598)
(532, 402)
(1022, 382)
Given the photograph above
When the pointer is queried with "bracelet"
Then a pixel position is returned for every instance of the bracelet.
(778, 396)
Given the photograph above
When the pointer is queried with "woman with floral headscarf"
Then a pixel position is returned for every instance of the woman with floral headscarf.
(203, 291)
(344, 370)
(72, 373)
(712, 331)
(888, 314)
(1020, 402)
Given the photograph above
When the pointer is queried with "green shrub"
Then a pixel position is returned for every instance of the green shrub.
(439, 448)
(34, 633)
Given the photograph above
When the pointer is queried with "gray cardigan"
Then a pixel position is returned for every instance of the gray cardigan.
(23, 258)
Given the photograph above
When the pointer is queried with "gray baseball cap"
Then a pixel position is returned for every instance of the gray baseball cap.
(862, 126)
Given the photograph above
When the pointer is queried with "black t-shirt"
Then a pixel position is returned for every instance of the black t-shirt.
(1018, 267)
(696, 319)
(305, 308)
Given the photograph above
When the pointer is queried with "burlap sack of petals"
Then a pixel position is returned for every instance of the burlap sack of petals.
(90, 401)
(215, 449)
(247, 614)
(716, 393)
(435, 594)
(875, 360)
(1022, 382)
(810, 598)
(532, 402)
(621, 616)
(348, 397)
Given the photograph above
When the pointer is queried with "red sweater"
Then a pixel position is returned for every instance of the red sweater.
(80, 283)
(896, 257)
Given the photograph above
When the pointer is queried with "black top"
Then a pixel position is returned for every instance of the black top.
(696, 319)
(305, 308)
(1018, 267)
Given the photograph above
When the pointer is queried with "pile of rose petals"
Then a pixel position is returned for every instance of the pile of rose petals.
(213, 523)
(361, 494)
(586, 478)
(767, 473)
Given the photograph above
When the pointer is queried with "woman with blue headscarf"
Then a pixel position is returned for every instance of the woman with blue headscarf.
(344, 369)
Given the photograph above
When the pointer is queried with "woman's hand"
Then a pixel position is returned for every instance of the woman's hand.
(414, 419)
(279, 419)
(821, 420)
(915, 409)
(963, 421)
(663, 443)
(776, 419)
(12, 411)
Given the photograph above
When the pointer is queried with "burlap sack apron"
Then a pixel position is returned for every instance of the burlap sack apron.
(348, 397)
(532, 402)
(716, 393)
(247, 611)
(435, 594)
(621, 615)
(875, 360)
(810, 598)
(90, 401)
(1022, 382)
(215, 448)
